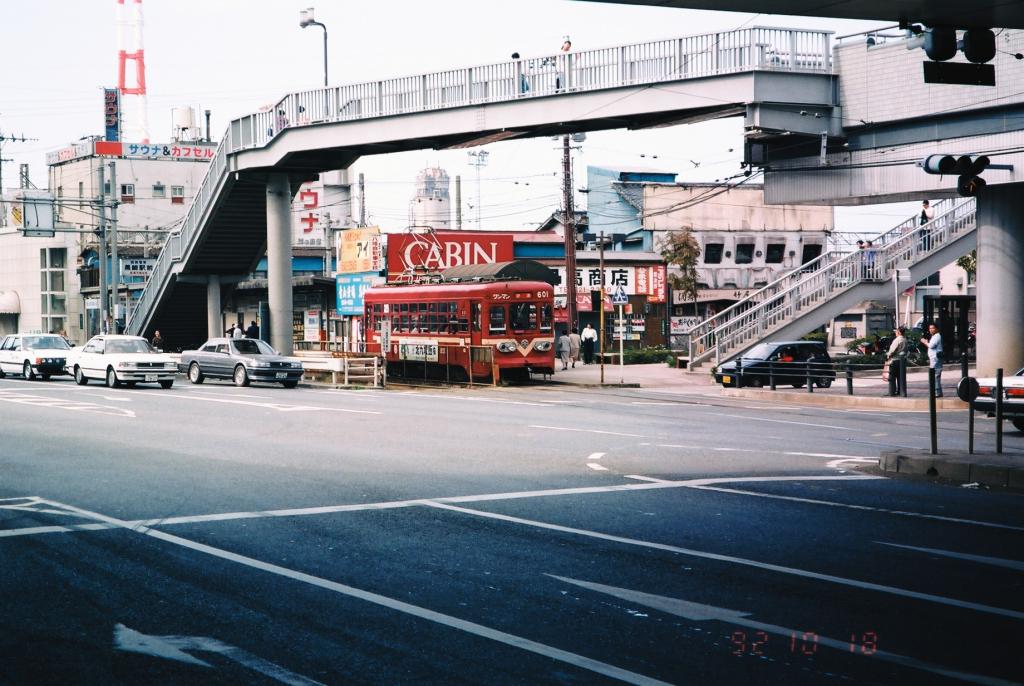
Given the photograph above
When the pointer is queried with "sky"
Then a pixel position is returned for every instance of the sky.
(235, 56)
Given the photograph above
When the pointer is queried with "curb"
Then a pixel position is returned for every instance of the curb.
(989, 469)
(835, 400)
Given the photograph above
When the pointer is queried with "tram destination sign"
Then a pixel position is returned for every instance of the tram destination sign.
(417, 349)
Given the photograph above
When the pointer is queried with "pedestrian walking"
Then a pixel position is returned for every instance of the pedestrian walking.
(524, 81)
(895, 360)
(253, 331)
(869, 260)
(574, 346)
(158, 340)
(589, 341)
(239, 332)
(934, 342)
(862, 259)
(230, 333)
(564, 350)
(927, 214)
(563, 60)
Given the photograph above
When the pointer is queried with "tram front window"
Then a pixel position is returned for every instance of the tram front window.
(523, 316)
(496, 322)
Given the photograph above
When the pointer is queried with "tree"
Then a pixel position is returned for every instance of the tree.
(969, 263)
(681, 250)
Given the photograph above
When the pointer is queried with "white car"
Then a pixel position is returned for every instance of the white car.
(1013, 398)
(121, 360)
(33, 355)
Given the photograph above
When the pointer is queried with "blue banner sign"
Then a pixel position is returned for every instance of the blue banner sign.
(350, 289)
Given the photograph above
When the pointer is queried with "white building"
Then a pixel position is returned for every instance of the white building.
(54, 281)
(432, 205)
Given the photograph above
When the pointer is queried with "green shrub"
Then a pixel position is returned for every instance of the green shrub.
(819, 336)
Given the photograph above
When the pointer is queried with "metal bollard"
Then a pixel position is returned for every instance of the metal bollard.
(810, 384)
(932, 417)
(739, 372)
(771, 374)
(849, 379)
(963, 364)
(999, 410)
(903, 376)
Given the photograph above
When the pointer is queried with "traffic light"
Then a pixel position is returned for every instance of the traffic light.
(979, 45)
(968, 168)
(940, 43)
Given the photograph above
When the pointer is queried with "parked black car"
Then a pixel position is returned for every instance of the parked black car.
(787, 360)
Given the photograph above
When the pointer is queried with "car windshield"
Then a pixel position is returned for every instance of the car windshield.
(762, 351)
(130, 345)
(40, 342)
(252, 346)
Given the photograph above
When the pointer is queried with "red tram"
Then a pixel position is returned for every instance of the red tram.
(476, 329)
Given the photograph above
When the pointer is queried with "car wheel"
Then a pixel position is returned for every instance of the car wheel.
(26, 371)
(129, 384)
(290, 384)
(166, 383)
(195, 374)
(798, 384)
(755, 382)
(80, 378)
(823, 382)
(1018, 423)
(112, 381)
(2, 375)
(241, 377)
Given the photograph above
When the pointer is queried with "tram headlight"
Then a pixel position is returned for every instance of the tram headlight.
(542, 346)
(506, 347)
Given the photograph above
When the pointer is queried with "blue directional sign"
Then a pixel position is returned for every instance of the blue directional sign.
(350, 289)
(619, 297)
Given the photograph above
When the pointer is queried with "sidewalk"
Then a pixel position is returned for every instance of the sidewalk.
(985, 468)
(655, 375)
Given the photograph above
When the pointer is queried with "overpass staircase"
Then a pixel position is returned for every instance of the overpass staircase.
(813, 294)
(223, 233)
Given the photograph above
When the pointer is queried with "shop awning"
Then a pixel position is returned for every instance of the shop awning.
(524, 270)
(10, 303)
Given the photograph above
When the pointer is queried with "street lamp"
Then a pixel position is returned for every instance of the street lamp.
(306, 19)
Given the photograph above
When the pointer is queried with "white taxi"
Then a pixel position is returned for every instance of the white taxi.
(33, 355)
(120, 360)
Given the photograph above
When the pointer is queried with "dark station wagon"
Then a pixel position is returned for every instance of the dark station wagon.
(788, 361)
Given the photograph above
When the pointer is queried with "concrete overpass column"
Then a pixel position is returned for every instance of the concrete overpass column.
(214, 321)
(279, 261)
(1000, 284)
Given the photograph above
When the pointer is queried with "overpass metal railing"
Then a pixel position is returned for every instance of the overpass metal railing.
(822, 279)
(179, 241)
(712, 54)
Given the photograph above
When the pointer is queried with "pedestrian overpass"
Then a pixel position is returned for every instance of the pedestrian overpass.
(813, 294)
(241, 210)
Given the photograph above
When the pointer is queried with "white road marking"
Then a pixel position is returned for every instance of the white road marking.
(450, 621)
(982, 559)
(734, 450)
(837, 464)
(787, 421)
(481, 399)
(36, 530)
(280, 407)
(650, 479)
(855, 583)
(595, 456)
(597, 467)
(116, 398)
(844, 457)
(243, 396)
(702, 613)
(867, 508)
(652, 402)
(677, 445)
(589, 431)
(395, 504)
(174, 647)
(58, 404)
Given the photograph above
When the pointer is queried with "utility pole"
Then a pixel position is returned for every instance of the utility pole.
(101, 211)
(570, 233)
(478, 159)
(114, 260)
(9, 139)
(458, 202)
(601, 332)
(23, 180)
(362, 200)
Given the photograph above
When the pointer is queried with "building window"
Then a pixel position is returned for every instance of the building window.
(53, 298)
(744, 253)
(811, 252)
(177, 195)
(713, 253)
(159, 190)
(774, 253)
(127, 192)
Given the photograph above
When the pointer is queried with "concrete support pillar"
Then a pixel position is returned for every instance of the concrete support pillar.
(214, 320)
(1000, 284)
(279, 261)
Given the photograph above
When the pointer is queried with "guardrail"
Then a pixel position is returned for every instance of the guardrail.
(822, 375)
(711, 54)
(823, 278)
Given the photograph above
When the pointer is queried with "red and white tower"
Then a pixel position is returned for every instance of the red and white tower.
(131, 21)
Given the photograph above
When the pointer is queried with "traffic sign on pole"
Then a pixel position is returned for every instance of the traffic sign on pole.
(620, 297)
